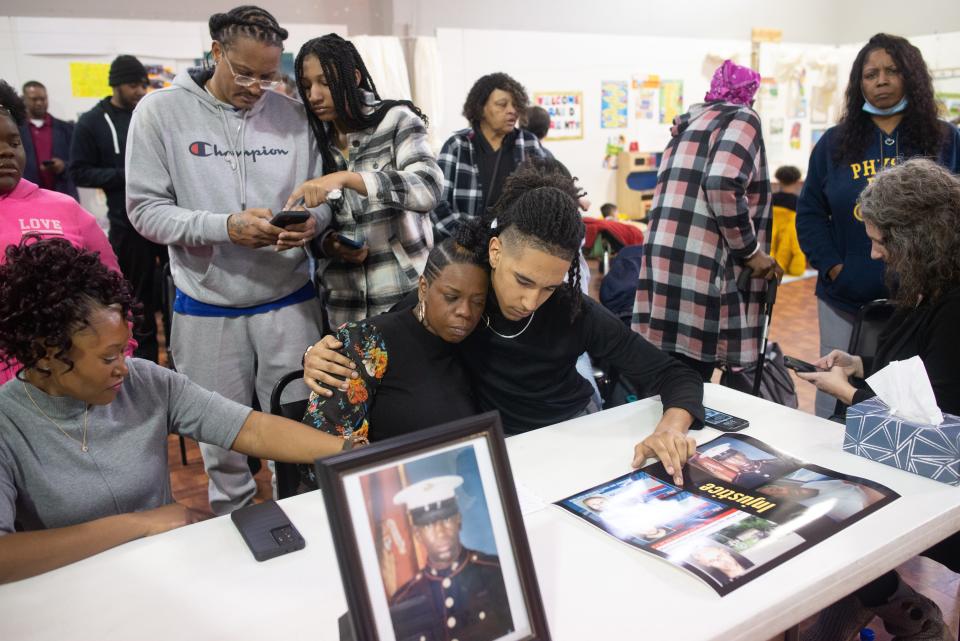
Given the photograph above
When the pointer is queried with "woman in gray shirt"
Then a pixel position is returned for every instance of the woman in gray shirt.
(83, 430)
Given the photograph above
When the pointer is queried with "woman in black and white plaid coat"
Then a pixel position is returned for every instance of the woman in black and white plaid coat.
(375, 152)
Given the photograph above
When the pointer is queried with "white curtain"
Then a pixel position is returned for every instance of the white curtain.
(428, 86)
(386, 63)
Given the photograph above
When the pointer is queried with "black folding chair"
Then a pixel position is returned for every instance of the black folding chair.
(288, 476)
(865, 338)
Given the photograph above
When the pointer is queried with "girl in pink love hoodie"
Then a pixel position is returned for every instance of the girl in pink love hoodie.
(26, 209)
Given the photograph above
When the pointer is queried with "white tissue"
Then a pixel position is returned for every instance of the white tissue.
(905, 387)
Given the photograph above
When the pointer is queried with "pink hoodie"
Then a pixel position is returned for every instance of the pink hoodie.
(28, 209)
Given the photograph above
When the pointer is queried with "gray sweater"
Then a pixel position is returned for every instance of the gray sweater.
(184, 180)
(46, 481)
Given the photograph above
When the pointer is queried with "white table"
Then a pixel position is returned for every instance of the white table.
(200, 582)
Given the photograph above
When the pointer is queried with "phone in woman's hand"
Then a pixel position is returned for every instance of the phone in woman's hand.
(801, 366)
(349, 242)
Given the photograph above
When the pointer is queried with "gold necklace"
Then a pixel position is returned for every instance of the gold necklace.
(83, 444)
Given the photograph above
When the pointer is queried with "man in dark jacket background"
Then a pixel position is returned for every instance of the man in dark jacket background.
(97, 157)
(46, 142)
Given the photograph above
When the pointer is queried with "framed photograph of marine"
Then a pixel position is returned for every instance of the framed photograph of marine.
(430, 539)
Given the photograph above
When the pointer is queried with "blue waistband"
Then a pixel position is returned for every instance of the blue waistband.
(183, 304)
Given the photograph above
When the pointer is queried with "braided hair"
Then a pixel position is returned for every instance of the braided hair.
(12, 103)
(539, 205)
(467, 246)
(341, 61)
(247, 21)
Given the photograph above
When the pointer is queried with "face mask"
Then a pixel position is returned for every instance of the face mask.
(877, 111)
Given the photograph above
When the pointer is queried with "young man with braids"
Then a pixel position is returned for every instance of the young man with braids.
(376, 153)
(537, 322)
(209, 162)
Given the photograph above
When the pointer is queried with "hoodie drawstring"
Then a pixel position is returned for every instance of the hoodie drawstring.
(237, 162)
(113, 132)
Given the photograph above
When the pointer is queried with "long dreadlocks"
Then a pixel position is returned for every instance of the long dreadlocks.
(341, 62)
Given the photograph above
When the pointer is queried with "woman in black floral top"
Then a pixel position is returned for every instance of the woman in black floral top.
(410, 371)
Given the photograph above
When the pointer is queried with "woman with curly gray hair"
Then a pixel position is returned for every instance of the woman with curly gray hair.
(912, 216)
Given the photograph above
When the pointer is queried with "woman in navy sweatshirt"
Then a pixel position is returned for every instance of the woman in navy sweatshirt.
(890, 115)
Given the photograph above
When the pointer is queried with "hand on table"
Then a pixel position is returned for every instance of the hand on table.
(323, 364)
(669, 443)
(168, 517)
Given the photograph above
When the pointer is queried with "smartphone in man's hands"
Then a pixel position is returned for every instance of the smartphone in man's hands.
(286, 218)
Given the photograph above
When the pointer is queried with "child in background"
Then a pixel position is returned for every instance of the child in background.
(785, 247)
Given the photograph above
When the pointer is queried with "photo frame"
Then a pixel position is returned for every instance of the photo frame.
(430, 539)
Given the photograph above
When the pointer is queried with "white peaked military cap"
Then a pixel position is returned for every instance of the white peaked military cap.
(431, 499)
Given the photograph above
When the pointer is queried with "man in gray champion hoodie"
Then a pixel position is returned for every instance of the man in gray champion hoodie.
(209, 161)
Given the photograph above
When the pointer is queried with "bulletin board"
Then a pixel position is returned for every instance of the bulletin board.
(566, 113)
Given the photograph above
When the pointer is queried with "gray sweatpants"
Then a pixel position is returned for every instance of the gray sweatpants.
(836, 327)
(237, 357)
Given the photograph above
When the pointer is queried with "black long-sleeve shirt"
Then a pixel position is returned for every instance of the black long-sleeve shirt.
(930, 332)
(533, 381)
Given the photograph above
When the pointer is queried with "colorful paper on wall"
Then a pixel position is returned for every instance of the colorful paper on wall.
(796, 134)
(613, 104)
(671, 100)
(90, 79)
(950, 103)
(646, 97)
(566, 113)
(159, 76)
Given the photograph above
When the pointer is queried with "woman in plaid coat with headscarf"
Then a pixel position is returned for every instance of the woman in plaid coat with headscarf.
(710, 218)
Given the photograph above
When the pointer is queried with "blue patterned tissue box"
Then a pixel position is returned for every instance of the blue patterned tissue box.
(927, 450)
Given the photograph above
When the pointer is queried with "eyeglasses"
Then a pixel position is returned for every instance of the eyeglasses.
(247, 81)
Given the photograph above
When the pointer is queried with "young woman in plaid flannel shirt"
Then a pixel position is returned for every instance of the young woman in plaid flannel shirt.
(375, 152)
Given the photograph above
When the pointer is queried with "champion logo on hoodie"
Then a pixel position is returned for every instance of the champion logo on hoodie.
(204, 149)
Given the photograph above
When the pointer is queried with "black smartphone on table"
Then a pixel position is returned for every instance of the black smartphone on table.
(286, 218)
(800, 366)
(724, 422)
(267, 531)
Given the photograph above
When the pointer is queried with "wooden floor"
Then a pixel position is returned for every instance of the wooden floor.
(794, 327)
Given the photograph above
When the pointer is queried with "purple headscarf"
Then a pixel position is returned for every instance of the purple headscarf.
(733, 83)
